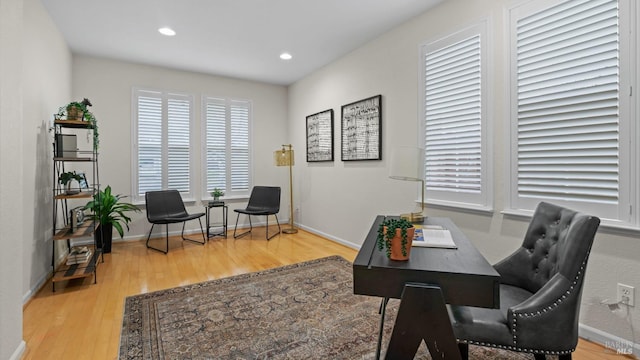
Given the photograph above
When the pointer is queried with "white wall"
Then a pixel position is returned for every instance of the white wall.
(341, 199)
(11, 188)
(108, 84)
(46, 81)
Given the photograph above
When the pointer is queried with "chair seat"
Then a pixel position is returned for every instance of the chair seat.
(254, 211)
(488, 325)
(177, 219)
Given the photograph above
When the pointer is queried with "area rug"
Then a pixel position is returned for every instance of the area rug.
(301, 311)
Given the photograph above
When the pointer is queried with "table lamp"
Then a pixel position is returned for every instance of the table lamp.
(407, 163)
(284, 157)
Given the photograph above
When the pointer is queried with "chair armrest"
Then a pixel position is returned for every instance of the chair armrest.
(549, 318)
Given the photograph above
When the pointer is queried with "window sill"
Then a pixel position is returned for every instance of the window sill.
(457, 206)
(608, 226)
(232, 198)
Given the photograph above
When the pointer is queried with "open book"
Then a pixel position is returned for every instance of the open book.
(433, 236)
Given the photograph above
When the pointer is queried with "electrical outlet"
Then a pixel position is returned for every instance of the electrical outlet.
(626, 294)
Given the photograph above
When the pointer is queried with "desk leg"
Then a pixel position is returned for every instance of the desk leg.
(422, 315)
(383, 309)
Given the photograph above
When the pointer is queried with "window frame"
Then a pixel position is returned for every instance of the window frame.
(483, 201)
(229, 194)
(165, 96)
(626, 217)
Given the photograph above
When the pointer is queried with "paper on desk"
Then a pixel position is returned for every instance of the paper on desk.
(433, 236)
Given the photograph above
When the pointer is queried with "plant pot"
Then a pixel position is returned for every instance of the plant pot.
(73, 113)
(104, 237)
(69, 190)
(396, 244)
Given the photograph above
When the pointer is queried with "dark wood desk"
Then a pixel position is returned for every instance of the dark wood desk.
(431, 279)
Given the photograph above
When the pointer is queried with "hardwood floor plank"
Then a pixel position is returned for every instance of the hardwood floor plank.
(82, 320)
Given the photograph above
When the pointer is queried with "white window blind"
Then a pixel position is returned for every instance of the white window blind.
(149, 133)
(162, 142)
(227, 151)
(178, 139)
(453, 120)
(568, 76)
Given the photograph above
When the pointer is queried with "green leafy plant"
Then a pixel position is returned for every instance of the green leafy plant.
(110, 211)
(65, 177)
(216, 193)
(384, 237)
(82, 107)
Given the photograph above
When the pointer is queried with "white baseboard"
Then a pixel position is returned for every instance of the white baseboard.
(42, 280)
(178, 231)
(329, 237)
(17, 355)
(34, 290)
(612, 343)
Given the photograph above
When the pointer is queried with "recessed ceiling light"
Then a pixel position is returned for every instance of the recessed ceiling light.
(166, 31)
(285, 56)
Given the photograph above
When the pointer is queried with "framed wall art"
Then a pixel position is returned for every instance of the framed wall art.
(362, 129)
(320, 136)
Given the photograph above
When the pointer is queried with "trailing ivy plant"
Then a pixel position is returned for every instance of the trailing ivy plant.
(88, 116)
(384, 238)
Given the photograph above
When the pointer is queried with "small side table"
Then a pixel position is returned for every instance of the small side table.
(223, 225)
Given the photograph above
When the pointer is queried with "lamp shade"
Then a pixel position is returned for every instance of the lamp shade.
(407, 163)
(284, 157)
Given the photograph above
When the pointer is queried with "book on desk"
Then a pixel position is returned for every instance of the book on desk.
(433, 236)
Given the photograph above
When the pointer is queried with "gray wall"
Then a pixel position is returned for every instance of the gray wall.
(46, 81)
(108, 84)
(11, 344)
(341, 199)
(338, 200)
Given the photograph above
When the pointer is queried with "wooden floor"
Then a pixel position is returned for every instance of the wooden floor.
(82, 320)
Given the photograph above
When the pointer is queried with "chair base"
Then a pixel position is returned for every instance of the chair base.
(464, 353)
(166, 250)
(235, 229)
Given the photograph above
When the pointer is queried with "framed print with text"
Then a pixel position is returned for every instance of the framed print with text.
(320, 136)
(362, 130)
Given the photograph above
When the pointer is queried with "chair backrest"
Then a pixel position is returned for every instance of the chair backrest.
(558, 241)
(164, 204)
(265, 198)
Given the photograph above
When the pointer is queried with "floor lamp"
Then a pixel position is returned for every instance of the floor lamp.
(284, 157)
(407, 163)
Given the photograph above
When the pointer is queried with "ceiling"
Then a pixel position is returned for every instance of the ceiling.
(236, 38)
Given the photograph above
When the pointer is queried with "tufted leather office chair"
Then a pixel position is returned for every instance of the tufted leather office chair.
(540, 289)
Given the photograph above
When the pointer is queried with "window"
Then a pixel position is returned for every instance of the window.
(571, 128)
(454, 122)
(227, 155)
(162, 155)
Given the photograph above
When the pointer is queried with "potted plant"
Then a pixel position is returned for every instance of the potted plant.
(216, 193)
(65, 179)
(395, 236)
(79, 111)
(109, 211)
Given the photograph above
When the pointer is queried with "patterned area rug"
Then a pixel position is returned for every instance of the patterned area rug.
(300, 311)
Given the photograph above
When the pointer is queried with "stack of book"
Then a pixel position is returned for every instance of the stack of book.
(79, 255)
